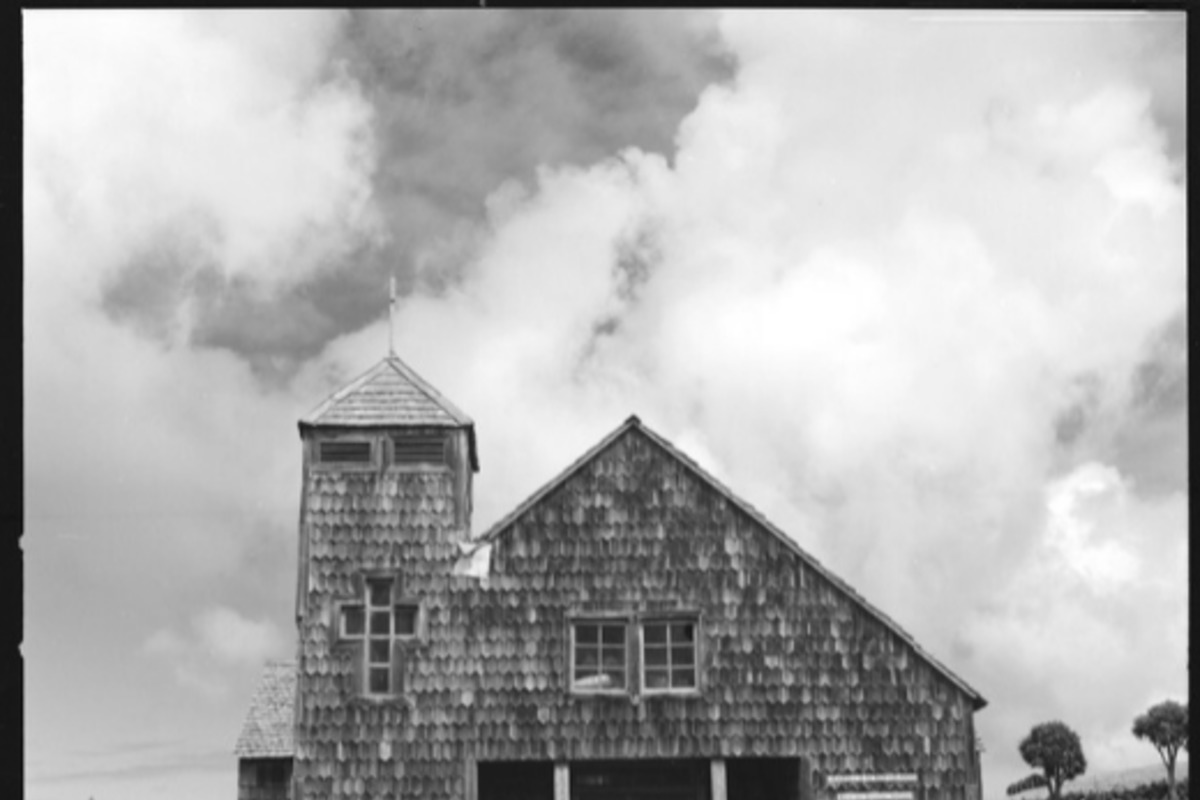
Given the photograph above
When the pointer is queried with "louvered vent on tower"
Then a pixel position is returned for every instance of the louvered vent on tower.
(419, 449)
(335, 452)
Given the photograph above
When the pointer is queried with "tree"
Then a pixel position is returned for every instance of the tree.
(1054, 748)
(1166, 726)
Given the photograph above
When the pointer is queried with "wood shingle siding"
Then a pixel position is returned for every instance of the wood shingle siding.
(791, 661)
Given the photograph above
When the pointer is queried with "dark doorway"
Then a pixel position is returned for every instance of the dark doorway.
(762, 778)
(651, 779)
(516, 780)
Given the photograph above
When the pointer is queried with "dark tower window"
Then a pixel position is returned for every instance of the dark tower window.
(419, 449)
(343, 452)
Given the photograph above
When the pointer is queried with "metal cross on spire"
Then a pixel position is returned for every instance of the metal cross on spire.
(391, 316)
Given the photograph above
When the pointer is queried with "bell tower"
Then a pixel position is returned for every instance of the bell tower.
(387, 471)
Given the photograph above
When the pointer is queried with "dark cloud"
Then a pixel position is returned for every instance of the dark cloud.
(637, 256)
(1162, 60)
(1151, 444)
(463, 102)
(466, 102)
(1139, 430)
(1160, 381)
(162, 271)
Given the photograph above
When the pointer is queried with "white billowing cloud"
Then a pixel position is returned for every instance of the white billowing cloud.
(232, 638)
(1093, 628)
(215, 127)
(1105, 565)
(222, 133)
(866, 289)
(219, 638)
(863, 291)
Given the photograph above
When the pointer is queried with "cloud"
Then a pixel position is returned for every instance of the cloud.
(220, 638)
(913, 312)
(227, 168)
(231, 638)
(912, 284)
(162, 125)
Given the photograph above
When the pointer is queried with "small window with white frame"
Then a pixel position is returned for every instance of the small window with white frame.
(599, 656)
(669, 655)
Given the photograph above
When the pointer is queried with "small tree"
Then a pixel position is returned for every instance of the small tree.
(1166, 726)
(1054, 748)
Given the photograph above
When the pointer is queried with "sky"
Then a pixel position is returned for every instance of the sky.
(912, 284)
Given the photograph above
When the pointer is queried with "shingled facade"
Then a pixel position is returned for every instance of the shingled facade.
(634, 629)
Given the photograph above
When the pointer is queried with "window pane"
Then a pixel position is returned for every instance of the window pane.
(656, 634)
(613, 634)
(587, 634)
(683, 655)
(381, 593)
(684, 632)
(656, 656)
(614, 659)
(379, 680)
(656, 679)
(406, 620)
(587, 657)
(683, 678)
(352, 621)
(381, 623)
(616, 680)
(381, 650)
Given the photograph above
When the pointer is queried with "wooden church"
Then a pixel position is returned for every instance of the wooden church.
(632, 631)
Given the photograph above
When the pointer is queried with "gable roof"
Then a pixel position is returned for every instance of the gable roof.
(268, 729)
(390, 394)
(635, 424)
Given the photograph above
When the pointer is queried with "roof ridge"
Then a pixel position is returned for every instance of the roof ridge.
(408, 377)
(813, 562)
(500, 525)
(494, 532)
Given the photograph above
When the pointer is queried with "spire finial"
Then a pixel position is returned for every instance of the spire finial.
(391, 315)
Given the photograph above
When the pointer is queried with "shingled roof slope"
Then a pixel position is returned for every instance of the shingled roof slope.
(632, 424)
(268, 730)
(390, 393)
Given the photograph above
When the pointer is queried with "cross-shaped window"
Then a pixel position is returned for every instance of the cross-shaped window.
(378, 624)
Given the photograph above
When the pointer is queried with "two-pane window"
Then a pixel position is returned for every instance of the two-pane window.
(600, 655)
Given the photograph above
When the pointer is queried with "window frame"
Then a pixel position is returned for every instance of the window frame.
(626, 622)
(445, 434)
(370, 465)
(669, 619)
(363, 639)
